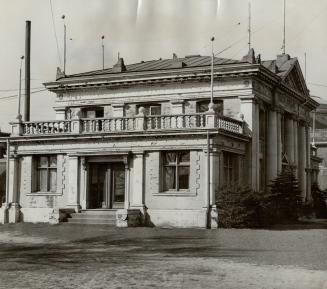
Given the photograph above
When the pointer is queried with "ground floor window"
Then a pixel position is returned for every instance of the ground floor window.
(46, 174)
(231, 170)
(176, 170)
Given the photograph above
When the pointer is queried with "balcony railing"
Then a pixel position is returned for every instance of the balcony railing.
(127, 124)
(46, 127)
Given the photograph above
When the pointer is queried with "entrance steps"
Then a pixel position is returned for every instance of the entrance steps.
(94, 217)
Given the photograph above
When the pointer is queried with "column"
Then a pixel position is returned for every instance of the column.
(272, 146)
(302, 158)
(212, 186)
(133, 213)
(296, 141)
(290, 140)
(279, 142)
(13, 190)
(73, 188)
(127, 184)
(250, 110)
(308, 163)
(137, 196)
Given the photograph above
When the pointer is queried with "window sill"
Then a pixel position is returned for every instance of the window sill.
(175, 193)
(43, 194)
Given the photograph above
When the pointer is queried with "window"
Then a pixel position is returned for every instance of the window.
(231, 169)
(93, 112)
(46, 174)
(150, 109)
(176, 171)
(203, 106)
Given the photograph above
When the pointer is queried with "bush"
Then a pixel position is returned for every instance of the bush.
(319, 198)
(238, 209)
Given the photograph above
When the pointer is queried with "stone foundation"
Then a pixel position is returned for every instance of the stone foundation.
(178, 218)
(128, 218)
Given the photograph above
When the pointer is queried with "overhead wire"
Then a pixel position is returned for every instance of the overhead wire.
(16, 89)
(55, 34)
(15, 95)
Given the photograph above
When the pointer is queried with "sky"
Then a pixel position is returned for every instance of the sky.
(150, 29)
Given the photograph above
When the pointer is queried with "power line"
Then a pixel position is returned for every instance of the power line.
(55, 34)
(15, 95)
(15, 89)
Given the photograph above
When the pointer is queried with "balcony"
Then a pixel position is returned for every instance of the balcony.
(128, 124)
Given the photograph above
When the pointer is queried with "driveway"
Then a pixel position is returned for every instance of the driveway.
(89, 256)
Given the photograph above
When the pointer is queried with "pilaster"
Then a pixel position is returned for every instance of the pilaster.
(290, 140)
(13, 190)
(296, 141)
(250, 111)
(272, 146)
(301, 173)
(73, 188)
(279, 141)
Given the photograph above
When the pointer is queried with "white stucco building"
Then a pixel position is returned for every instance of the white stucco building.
(130, 143)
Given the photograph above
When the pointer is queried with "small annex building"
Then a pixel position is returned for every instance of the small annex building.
(140, 142)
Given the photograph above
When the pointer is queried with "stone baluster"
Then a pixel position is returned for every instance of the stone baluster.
(140, 119)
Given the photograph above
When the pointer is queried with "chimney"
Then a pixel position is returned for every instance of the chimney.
(119, 66)
(27, 71)
(281, 59)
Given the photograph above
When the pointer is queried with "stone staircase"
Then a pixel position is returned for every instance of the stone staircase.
(94, 217)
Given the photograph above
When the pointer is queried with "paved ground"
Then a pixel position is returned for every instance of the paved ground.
(75, 256)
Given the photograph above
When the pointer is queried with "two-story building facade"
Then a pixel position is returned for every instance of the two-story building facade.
(142, 141)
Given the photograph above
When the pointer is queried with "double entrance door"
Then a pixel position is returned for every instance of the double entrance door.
(106, 186)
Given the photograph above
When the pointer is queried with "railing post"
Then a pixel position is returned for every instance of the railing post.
(17, 128)
(139, 125)
(76, 124)
(211, 117)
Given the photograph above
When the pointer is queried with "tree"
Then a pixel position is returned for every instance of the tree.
(282, 202)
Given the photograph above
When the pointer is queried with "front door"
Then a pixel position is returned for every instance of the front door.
(106, 186)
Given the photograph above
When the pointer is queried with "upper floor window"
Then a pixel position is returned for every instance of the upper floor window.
(150, 109)
(46, 167)
(176, 170)
(93, 112)
(203, 106)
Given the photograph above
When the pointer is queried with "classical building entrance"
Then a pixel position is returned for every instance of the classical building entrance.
(106, 187)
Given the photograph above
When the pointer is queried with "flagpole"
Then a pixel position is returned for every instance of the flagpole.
(19, 116)
(65, 42)
(102, 37)
(211, 105)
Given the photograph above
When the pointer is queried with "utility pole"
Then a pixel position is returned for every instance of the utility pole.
(102, 38)
(249, 28)
(284, 29)
(19, 116)
(65, 42)
(212, 61)
(27, 102)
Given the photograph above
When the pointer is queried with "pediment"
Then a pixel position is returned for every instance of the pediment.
(295, 80)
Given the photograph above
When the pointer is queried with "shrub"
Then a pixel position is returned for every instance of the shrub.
(319, 198)
(238, 209)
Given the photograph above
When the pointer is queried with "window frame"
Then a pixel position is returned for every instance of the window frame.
(48, 168)
(177, 164)
(231, 165)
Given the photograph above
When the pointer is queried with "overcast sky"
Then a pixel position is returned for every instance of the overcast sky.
(150, 29)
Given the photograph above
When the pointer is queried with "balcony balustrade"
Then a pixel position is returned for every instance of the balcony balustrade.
(128, 124)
